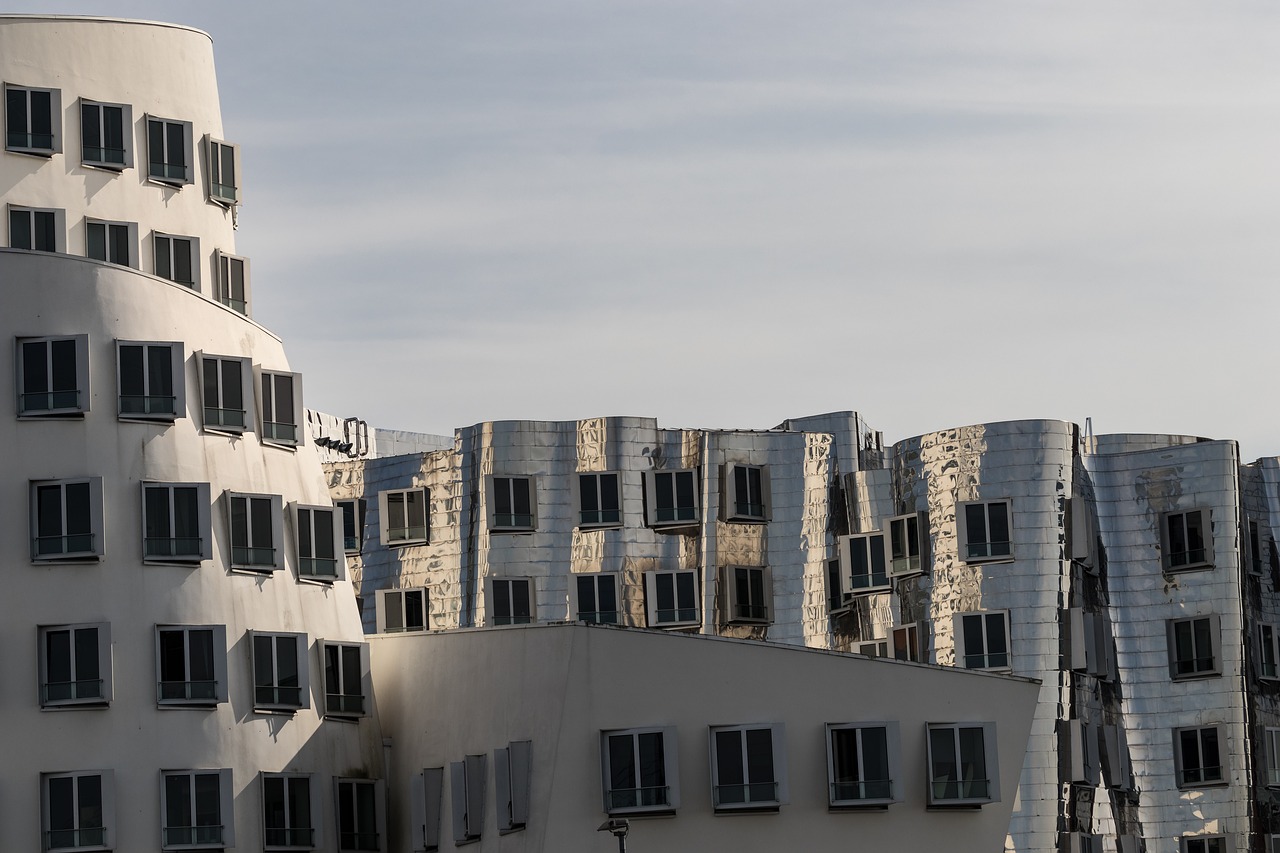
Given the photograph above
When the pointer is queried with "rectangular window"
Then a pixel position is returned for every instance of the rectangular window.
(748, 767)
(512, 601)
(1187, 540)
(671, 498)
(75, 665)
(224, 172)
(1256, 561)
(984, 531)
(671, 599)
(32, 120)
(222, 381)
(280, 672)
(405, 519)
(233, 281)
(191, 665)
(281, 407)
(863, 764)
(353, 513)
(596, 598)
(113, 242)
(346, 679)
(982, 640)
(838, 598)
(906, 557)
(466, 781)
(747, 493)
(1198, 757)
(511, 768)
(426, 790)
(599, 500)
(401, 610)
(962, 764)
(1192, 644)
(1082, 533)
(907, 644)
(1268, 651)
(513, 504)
(168, 150)
(289, 811)
(150, 380)
(1271, 756)
(747, 595)
(66, 519)
(873, 649)
(1116, 750)
(360, 816)
(53, 376)
(197, 809)
(319, 547)
(105, 132)
(78, 810)
(37, 230)
(1204, 844)
(175, 521)
(1083, 751)
(640, 770)
(864, 559)
(176, 258)
(256, 530)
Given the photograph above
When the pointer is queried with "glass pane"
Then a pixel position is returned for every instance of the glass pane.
(520, 500)
(64, 365)
(997, 643)
(57, 654)
(653, 773)
(232, 386)
(284, 399)
(520, 605)
(157, 513)
(35, 370)
(586, 597)
(760, 755)
(200, 645)
(208, 800)
(844, 759)
(86, 641)
(263, 666)
(622, 763)
(729, 766)
(609, 493)
(975, 518)
(155, 147)
(287, 662)
(684, 490)
(393, 611)
(974, 647)
(132, 376)
(998, 519)
(19, 229)
(260, 523)
(177, 802)
(62, 814)
(322, 520)
(89, 789)
(415, 609)
(175, 153)
(587, 487)
(173, 652)
(608, 599)
(300, 802)
(49, 518)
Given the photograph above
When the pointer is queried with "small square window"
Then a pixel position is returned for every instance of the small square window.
(511, 601)
(75, 665)
(281, 406)
(671, 498)
(748, 767)
(910, 642)
(745, 494)
(747, 595)
(511, 770)
(863, 764)
(984, 531)
(405, 516)
(280, 672)
(982, 640)
(66, 519)
(640, 771)
(255, 522)
(360, 814)
(513, 504)
(671, 599)
(347, 683)
(53, 376)
(38, 230)
(196, 806)
(1193, 646)
(353, 514)
(169, 151)
(1198, 755)
(1204, 844)
(962, 764)
(78, 810)
(1269, 651)
(401, 610)
(233, 281)
(290, 808)
(906, 552)
(320, 553)
(191, 665)
(175, 522)
(596, 598)
(149, 378)
(33, 120)
(425, 794)
(1271, 756)
(466, 782)
(106, 134)
(112, 242)
(599, 500)
(176, 258)
(864, 560)
(224, 171)
(1187, 540)
(223, 380)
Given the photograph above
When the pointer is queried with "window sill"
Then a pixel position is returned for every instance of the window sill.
(977, 561)
(1196, 676)
(1189, 567)
(67, 559)
(860, 805)
(516, 530)
(42, 153)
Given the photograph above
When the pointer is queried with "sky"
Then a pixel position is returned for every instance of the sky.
(726, 214)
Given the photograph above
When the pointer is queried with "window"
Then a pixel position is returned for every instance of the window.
(1191, 647)
(511, 601)
(1198, 757)
(1083, 842)
(513, 506)
(169, 151)
(982, 640)
(78, 810)
(905, 553)
(1255, 548)
(289, 809)
(1090, 642)
(361, 821)
(105, 132)
(1268, 651)
(466, 781)
(425, 791)
(281, 407)
(353, 513)
(1204, 844)
(907, 644)
(640, 770)
(1271, 754)
(401, 610)
(671, 599)
(671, 498)
(838, 600)
(318, 544)
(873, 649)
(1187, 540)
(222, 383)
(33, 120)
(747, 595)
(224, 172)
(233, 281)
(280, 671)
(748, 767)
(1115, 750)
(405, 520)
(66, 519)
(747, 493)
(191, 665)
(175, 258)
(75, 665)
(1083, 749)
(962, 764)
(346, 679)
(38, 230)
(596, 598)
(864, 558)
(511, 767)
(150, 380)
(863, 764)
(54, 374)
(113, 242)
(984, 531)
(197, 809)
(175, 522)
(599, 501)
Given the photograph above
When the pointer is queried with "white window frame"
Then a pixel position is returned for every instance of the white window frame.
(220, 192)
(96, 544)
(168, 248)
(357, 510)
(57, 406)
(1268, 635)
(104, 694)
(407, 535)
(668, 798)
(595, 579)
(226, 265)
(685, 614)
(296, 835)
(203, 521)
(986, 550)
(595, 484)
(218, 641)
(339, 701)
(1216, 843)
(383, 622)
(55, 122)
(914, 638)
(59, 227)
(104, 833)
(260, 680)
(740, 609)
(467, 789)
(312, 567)
(510, 522)
(177, 367)
(872, 551)
(765, 794)
(348, 787)
(938, 796)
(426, 794)
(222, 418)
(266, 386)
(1199, 665)
(989, 659)
(1204, 780)
(511, 776)
(492, 584)
(757, 509)
(665, 482)
(213, 838)
(1176, 524)
(131, 237)
(169, 172)
(898, 536)
(1271, 756)
(126, 136)
(840, 795)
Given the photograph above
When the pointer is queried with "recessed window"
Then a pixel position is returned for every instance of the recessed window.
(233, 281)
(984, 531)
(906, 557)
(279, 672)
(747, 595)
(1198, 756)
(863, 764)
(75, 665)
(640, 769)
(224, 172)
(671, 498)
(150, 380)
(191, 665)
(33, 120)
(168, 151)
(105, 133)
(36, 230)
(1271, 756)
(176, 258)
(864, 558)
(748, 767)
(982, 640)
(1256, 560)
(78, 810)
(511, 601)
(54, 376)
(426, 790)
(281, 407)
(838, 598)
(175, 520)
(353, 513)
(1192, 647)
(596, 598)
(289, 811)
(466, 782)
(361, 822)
(962, 764)
(197, 809)
(66, 519)
(1268, 651)
(346, 679)
(401, 610)
(1204, 844)
(1187, 540)
(320, 553)
(671, 599)
(511, 769)
(404, 516)
(599, 500)
(908, 644)
(113, 242)
(256, 531)
(223, 380)
(512, 504)
(747, 493)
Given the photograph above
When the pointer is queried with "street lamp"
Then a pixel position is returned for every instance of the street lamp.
(619, 827)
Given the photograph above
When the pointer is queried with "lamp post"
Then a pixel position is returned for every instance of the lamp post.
(619, 827)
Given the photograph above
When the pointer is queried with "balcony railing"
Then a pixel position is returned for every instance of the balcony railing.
(316, 567)
(50, 401)
(344, 703)
(870, 789)
(224, 417)
(191, 836)
(176, 691)
(64, 839)
(133, 404)
(74, 543)
(639, 798)
(73, 691)
(750, 793)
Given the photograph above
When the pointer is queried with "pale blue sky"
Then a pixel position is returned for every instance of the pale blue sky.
(730, 213)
